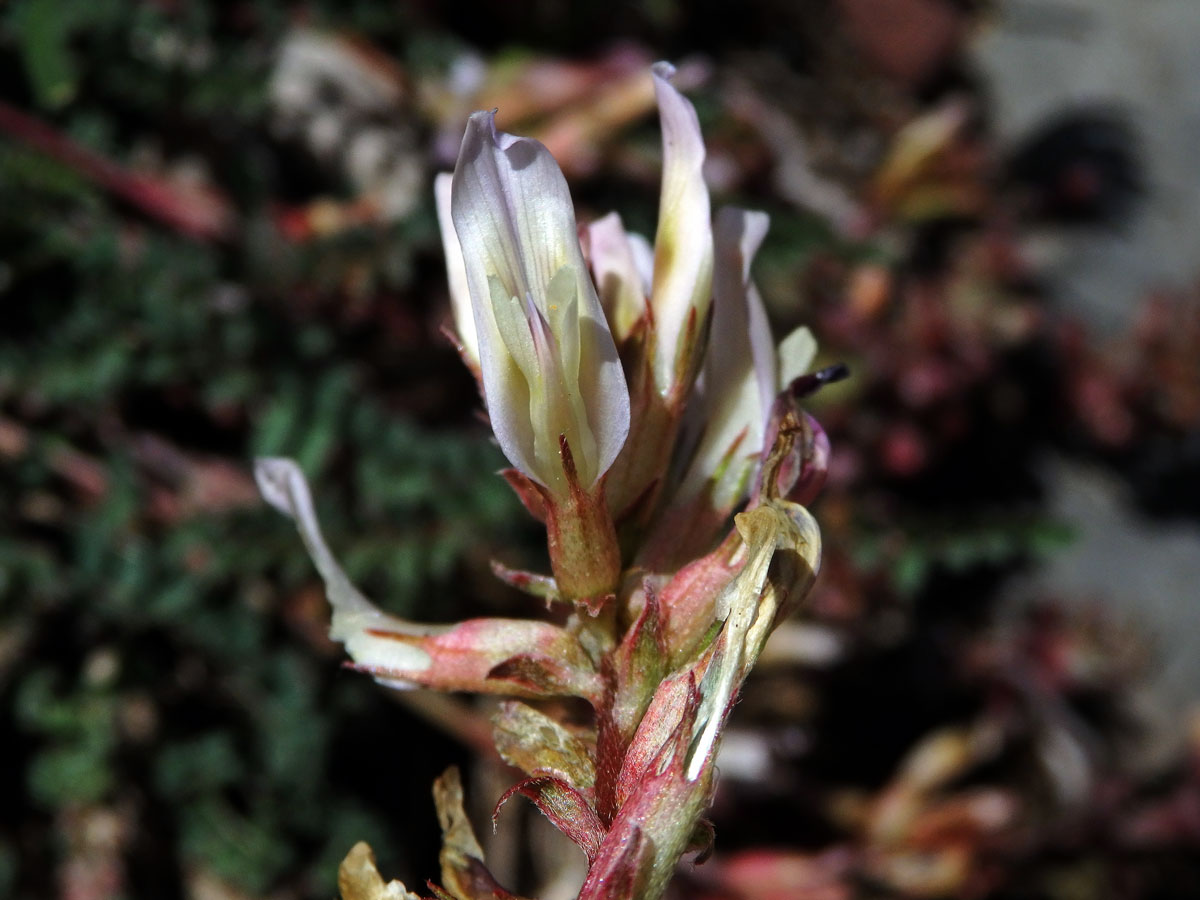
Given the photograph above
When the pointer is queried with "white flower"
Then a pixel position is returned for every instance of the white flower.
(547, 360)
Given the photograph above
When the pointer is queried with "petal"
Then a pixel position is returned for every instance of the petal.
(464, 875)
(622, 289)
(741, 355)
(538, 745)
(643, 258)
(739, 368)
(796, 354)
(683, 244)
(485, 233)
(355, 619)
(456, 272)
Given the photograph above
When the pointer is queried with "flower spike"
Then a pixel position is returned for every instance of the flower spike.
(642, 402)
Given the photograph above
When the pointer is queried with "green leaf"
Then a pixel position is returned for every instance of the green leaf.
(8, 869)
(910, 571)
(43, 30)
(79, 773)
(198, 766)
(251, 853)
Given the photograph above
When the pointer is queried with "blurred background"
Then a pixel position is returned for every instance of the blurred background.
(217, 241)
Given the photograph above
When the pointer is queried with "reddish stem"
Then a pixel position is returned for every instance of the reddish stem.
(199, 214)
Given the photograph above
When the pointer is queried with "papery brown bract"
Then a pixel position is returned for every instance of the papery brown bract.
(464, 874)
(359, 879)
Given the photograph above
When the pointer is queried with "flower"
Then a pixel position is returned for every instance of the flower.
(552, 381)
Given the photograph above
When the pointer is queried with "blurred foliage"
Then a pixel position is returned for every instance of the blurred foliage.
(159, 625)
(184, 285)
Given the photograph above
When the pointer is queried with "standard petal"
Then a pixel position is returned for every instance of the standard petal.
(683, 243)
(483, 224)
(456, 272)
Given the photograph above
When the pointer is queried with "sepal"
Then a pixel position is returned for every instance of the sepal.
(659, 804)
(531, 583)
(582, 539)
(566, 808)
(689, 597)
(639, 665)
